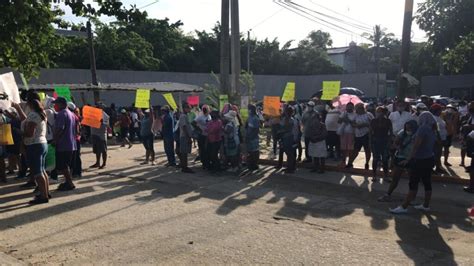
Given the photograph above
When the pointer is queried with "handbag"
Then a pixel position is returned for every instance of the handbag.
(6, 137)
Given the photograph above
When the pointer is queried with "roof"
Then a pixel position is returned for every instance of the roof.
(153, 86)
(338, 50)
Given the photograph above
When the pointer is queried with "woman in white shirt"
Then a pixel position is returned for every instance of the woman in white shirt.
(34, 138)
(362, 137)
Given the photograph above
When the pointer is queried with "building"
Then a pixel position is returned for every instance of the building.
(353, 59)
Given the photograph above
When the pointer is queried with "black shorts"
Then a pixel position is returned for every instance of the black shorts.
(63, 160)
(13, 149)
(360, 142)
(448, 142)
(98, 145)
(148, 142)
(124, 132)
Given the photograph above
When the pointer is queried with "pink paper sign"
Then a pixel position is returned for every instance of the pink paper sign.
(193, 100)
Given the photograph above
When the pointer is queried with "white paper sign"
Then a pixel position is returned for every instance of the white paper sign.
(8, 86)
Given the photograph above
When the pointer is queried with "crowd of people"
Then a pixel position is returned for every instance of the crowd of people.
(397, 137)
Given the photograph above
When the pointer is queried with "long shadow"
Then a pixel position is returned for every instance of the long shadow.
(423, 243)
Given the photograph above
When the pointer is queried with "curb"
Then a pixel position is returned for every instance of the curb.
(357, 171)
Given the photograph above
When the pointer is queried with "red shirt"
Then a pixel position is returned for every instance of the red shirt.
(214, 130)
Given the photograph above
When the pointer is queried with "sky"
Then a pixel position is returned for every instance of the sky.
(266, 19)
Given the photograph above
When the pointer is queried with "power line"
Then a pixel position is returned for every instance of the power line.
(351, 24)
(142, 7)
(341, 14)
(350, 32)
(312, 19)
(266, 19)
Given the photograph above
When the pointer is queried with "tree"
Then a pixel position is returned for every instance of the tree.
(26, 44)
(27, 38)
(449, 27)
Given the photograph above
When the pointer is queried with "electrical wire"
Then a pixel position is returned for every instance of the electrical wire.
(312, 19)
(333, 25)
(350, 24)
(266, 19)
(341, 14)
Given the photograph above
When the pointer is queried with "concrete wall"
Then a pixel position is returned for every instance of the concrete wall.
(449, 86)
(306, 86)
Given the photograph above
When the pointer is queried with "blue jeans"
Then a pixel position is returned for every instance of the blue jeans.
(380, 152)
(169, 149)
(36, 154)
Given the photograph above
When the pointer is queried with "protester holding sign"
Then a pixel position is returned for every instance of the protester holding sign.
(34, 132)
(65, 140)
(147, 136)
(252, 130)
(99, 139)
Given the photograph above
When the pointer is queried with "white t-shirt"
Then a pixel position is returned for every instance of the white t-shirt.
(51, 117)
(201, 121)
(134, 118)
(348, 129)
(363, 119)
(399, 120)
(332, 118)
(39, 135)
(443, 131)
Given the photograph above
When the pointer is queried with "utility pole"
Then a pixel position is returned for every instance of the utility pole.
(225, 57)
(92, 61)
(404, 59)
(248, 51)
(235, 47)
(377, 37)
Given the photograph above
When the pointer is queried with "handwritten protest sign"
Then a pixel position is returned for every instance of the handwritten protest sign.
(331, 90)
(223, 99)
(42, 96)
(170, 100)
(9, 89)
(289, 93)
(64, 92)
(193, 100)
(271, 105)
(142, 99)
(244, 114)
(92, 116)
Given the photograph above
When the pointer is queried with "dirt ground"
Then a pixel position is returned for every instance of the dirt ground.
(135, 214)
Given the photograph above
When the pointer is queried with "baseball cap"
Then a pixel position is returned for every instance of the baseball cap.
(421, 106)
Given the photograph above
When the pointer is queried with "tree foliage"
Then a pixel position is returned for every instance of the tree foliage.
(449, 26)
(27, 37)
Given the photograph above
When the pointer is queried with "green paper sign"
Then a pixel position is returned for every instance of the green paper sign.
(223, 99)
(63, 92)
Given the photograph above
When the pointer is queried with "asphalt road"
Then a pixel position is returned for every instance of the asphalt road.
(130, 213)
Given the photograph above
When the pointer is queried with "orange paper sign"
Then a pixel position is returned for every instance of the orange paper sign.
(271, 105)
(92, 116)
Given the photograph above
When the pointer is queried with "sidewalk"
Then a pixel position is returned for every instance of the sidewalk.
(455, 174)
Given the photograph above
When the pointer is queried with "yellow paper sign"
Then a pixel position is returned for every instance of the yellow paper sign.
(42, 96)
(92, 116)
(289, 93)
(142, 99)
(271, 105)
(6, 137)
(223, 99)
(244, 114)
(331, 90)
(170, 100)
